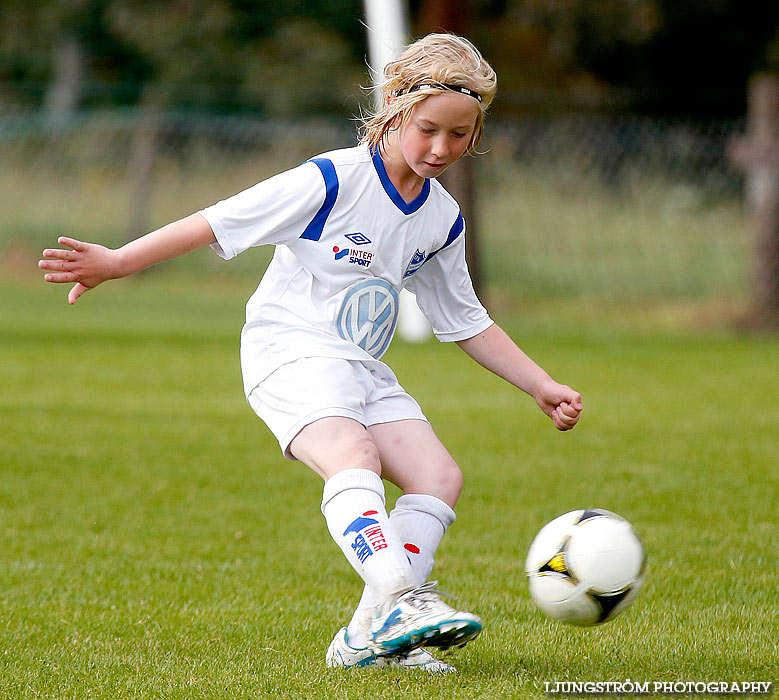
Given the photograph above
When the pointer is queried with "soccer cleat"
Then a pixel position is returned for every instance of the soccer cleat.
(342, 653)
(419, 658)
(420, 618)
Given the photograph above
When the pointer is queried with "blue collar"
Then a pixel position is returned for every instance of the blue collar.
(392, 193)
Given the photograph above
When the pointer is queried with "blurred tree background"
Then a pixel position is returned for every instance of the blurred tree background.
(290, 57)
(611, 180)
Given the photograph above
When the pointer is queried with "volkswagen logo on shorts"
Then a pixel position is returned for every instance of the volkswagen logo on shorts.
(368, 315)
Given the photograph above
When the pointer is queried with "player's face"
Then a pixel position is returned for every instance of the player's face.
(438, 132)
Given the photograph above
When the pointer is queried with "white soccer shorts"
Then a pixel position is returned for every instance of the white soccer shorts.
(305, 390)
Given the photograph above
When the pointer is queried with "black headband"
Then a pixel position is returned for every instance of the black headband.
(445, 86)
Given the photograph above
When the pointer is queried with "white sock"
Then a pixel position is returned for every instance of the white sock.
(420, 521)
(353, 506)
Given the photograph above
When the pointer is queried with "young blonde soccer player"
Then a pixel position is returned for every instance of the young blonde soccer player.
(351, 228)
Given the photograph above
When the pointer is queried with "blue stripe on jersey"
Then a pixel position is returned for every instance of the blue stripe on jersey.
(315, 227)
(394, 195)
(456, 230)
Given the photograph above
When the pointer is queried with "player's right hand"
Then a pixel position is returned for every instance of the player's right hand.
(86, 264)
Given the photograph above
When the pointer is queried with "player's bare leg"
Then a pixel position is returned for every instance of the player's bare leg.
(342, 452)
(413, 458)
(404, 616)
(333, 444)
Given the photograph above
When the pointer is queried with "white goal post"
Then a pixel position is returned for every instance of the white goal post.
(387, 25)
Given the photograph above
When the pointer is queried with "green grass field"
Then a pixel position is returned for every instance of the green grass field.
(156, 545)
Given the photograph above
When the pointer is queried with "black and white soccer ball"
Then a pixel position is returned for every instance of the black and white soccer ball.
(585, 567)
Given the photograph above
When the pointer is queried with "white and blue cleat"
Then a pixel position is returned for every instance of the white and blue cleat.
(342, 653)
(420, 618)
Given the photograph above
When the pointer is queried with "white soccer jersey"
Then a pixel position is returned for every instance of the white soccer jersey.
(346, 244)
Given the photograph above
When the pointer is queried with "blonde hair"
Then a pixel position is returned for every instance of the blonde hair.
(440, 59)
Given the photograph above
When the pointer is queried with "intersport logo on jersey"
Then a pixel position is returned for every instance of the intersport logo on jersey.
(363, 258)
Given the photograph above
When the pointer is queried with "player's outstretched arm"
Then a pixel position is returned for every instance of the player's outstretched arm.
(494, 350)
(90, 264)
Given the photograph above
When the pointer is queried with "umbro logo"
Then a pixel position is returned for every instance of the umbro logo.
(358, 238)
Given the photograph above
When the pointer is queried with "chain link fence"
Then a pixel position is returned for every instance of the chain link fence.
(581, 212)
(615, 212)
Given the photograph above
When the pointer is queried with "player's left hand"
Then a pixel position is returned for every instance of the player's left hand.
(561, 403)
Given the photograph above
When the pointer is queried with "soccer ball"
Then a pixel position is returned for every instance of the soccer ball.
(585, 567)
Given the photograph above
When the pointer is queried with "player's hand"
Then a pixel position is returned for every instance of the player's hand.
(86, 264)
(561, 403)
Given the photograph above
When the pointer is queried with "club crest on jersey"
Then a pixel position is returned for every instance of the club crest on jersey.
(369, 537)
(368, 315)
(363, 258)
(417, 260)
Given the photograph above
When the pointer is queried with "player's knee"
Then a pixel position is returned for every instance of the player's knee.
(445, 481)
(352, 452)
(362, 453)
(329, 446)
(350, 448)
(453, 478)
(442, 479)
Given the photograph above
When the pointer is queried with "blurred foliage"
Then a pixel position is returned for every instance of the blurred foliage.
(285, 57)
(647, 56)
(692, 57)
(282, 56)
